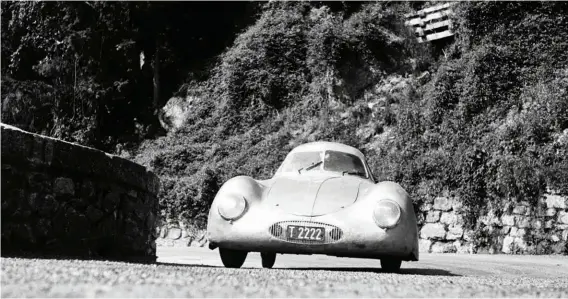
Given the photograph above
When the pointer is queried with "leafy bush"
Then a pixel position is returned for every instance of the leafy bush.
(489, 125)
(189, 199)
(285, 81)
(106, 66)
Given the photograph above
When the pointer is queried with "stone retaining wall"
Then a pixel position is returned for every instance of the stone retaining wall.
(512, 227)
(63, 199)
(178, 234)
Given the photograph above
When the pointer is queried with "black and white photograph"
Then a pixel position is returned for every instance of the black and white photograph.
(277, 149)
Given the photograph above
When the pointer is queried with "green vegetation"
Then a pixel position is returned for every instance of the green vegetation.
(490, 124)
(96, 73)
(297, 75)
(482, 117)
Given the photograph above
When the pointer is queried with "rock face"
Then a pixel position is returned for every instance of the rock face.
(442, 204)
(519, 228)
(435, 231)
(63, 199)
(555, 201)
(177, 234)
(433, 216)
(174, 114)
(563, 217)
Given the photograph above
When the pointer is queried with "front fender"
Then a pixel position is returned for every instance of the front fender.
(242, 186)
(245, 186)
(393, 191)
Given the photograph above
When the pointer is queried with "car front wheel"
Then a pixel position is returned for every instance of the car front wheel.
(232, 258)
(268, 259)
(390, 265)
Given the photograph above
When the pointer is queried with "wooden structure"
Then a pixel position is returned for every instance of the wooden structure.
(432, 23)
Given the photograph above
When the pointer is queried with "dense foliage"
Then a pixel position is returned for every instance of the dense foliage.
(490, 123)
(296, 75)
(483, 116)
(96, 73)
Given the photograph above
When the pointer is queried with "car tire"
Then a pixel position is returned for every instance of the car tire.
(390, 265)
(232, 258)
(268, 259)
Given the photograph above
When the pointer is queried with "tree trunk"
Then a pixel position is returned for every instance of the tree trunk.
(74, 87)
(156, 67)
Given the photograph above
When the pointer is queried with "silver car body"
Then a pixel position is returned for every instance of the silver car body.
(340, 203)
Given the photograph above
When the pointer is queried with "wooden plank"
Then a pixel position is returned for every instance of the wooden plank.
(439, 35)
(429, 19)
(435, 16)
(437, 25)
(429, 10)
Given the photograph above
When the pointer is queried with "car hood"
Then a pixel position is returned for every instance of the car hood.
(312, 195)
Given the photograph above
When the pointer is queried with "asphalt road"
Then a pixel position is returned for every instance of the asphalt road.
(198, 272)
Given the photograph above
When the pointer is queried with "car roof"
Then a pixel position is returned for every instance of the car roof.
(326, 145)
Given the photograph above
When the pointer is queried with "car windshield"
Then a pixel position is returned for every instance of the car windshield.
(302, 161)
(343, 162)
(329, 161)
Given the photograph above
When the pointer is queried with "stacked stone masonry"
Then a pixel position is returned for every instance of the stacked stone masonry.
(63, 199)
(513, 227)
(178, 234)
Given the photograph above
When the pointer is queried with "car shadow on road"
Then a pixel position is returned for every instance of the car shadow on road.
(404, 271)
(427, 272)
(184, 265)
(408, 271)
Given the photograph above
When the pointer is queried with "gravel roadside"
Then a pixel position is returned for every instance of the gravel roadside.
(78, 278)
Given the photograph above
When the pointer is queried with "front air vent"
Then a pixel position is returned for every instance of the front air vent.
(276, 230)
(332, 232)
(336, 234)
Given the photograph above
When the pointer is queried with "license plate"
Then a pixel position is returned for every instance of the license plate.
(305, 233)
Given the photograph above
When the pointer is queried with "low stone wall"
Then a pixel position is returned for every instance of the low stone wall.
(514, 228)
(510, 228)
(63, 199)
(178, 234)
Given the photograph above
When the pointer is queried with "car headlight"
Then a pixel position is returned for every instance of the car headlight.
(386, 213)
(231, 207)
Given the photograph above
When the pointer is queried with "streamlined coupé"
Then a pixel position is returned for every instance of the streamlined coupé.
(323, 199)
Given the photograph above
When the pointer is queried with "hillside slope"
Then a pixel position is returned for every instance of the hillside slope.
(491, 123)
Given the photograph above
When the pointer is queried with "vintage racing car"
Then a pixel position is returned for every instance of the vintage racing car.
(323, 199)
